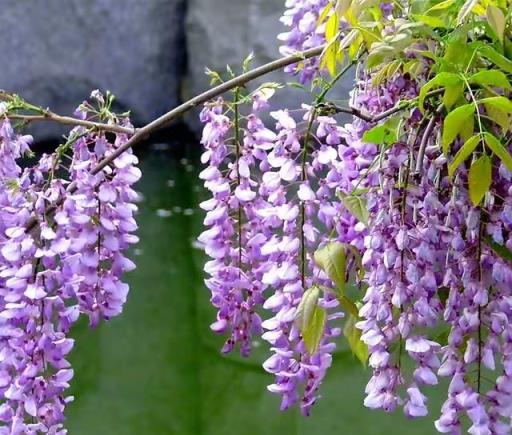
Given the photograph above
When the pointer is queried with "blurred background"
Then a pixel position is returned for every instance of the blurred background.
(156, 369)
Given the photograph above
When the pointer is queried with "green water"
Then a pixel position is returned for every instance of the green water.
(157, 369)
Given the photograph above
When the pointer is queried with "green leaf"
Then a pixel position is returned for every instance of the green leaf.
(491, 78)
(480, 177)
(356, 205)
(329, 58)
(442, 338)
(379, 53)
(342, 6)
(361, 5)
(247, 61)
(376, 134)
(268, 89)
(355, 47)
(498, 59)
(443, 294)
(411, 25)
(214, 76)
(413, 67)
(307, 307)
(464, 152)
(400, 41)
(383, 134)
(324, 14)
(507, 48)
(393, 68)
(353, 336)
(457, 52)
(332, 27)
(465, 10)
(431, 21)
(468, 129)
(310, 319)
(441, 6)
(380, 75)
(348, 306)
(501, 103)
(441, 80)
(501, 250)
(452, 95)
(331, 51)
(497, 148)
(499, 116)
(496, 20)
(312, 334)
(230, 72)
(454, 122)
(349, 38)
(332, 260)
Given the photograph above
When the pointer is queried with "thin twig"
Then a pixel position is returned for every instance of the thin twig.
(68, 120)
(424, 140)
(370, 118)
(402, 105)
(160, 122)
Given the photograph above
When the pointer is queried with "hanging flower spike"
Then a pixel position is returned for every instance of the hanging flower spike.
(301, 17)
(234, 237)
(71, 262)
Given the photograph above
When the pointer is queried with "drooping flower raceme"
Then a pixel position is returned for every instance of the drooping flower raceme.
(233, 239)
(70, 262)
(424, 251)
(275, 228)
(301, 18)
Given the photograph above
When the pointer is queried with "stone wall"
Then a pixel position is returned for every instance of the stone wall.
(56, 51)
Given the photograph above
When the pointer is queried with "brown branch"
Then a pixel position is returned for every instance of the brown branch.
(144, 132)
(162, 121)
(402, 105)
(424, 140)
(371, 118)
(68, 120)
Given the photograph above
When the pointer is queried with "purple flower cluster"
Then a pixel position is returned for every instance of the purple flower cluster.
(261, 237)
(291, 205)
(426, 252)
(232, 236)
(97, 222)
(301, 17)
(429, 267)
(70, 263)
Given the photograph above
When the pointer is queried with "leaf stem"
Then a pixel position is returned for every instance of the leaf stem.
(478, 117)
